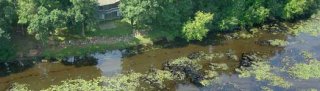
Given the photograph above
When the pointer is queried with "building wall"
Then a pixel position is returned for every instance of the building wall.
(109, 12)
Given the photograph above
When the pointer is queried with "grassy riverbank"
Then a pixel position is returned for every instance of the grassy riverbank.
(111, 35)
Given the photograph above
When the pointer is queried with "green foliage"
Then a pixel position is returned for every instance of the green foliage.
(137, 11)
(211, 74)
(278, 42)
(262, 71)
(123, 82)
(311, 26)
(157, 78)
(7, 51)
(186, 62)
(7, 20)
(2, 33)
(160, 15)
(297, 7)
(77, 85)
(19, 87)
(143, 40)
(213, 55)
(307, 55)
(84, 14)
(196, 29)
(48, 18)
(121, 29)
(171, 15)
(240, 35)
(26, 10)
(7, 15)
(264, 88)
(128, 82)
(308, 70)
(230, 14)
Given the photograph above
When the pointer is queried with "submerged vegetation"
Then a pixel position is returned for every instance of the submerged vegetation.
(128, 82)
(262, 71)
(307, 70)
(310, 26)
(278, 42)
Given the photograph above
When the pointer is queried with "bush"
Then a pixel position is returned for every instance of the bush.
(7, 51)
(196, 29)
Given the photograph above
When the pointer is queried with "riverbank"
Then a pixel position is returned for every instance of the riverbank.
(110, 35)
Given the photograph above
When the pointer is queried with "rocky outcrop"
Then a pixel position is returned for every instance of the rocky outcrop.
(187, 69)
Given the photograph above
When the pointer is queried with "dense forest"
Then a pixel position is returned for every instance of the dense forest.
(190, 20)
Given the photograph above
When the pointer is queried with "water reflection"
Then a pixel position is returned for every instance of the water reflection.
(109, 62)
(7, 68)
(80, 61)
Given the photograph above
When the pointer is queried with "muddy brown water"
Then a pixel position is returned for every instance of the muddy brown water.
(42, 75)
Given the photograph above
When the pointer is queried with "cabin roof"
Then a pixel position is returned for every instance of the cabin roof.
(107, 2)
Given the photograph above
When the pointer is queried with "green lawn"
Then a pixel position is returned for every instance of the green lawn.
(121, 28)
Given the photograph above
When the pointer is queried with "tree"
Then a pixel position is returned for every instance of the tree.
(7, 52)
(84, 13)
(7, 20)
(45, 18)
(40, 24)
(196, 29)
(26, 10)
(297, 7)
(171, 15)
(7, 15)
(138, 12)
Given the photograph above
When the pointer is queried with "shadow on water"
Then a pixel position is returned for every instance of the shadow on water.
(12, 67)
(80, 61)
(41, 73)
(7, 68)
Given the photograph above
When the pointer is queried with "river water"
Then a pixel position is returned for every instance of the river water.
(40, 75)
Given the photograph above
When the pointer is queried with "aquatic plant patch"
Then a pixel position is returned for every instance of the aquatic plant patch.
(278, 42)
(306, 70)
(262, 71)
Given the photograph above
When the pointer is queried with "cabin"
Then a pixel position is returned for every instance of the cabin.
(109, 10)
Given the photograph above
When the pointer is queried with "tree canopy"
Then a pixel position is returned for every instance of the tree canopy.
(46, 18)
(7, 19)
(196, 29)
